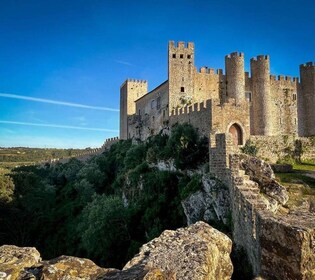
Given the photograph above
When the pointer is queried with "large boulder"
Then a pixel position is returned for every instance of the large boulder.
(197, 252)
(14, 259)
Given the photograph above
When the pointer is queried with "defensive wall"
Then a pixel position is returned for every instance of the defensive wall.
(84, 155)
(278, 245)
(198, 115)
(274, 148)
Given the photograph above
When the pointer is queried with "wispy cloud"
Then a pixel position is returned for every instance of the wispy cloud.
(124, 62)
(58, 126)
(56, 102)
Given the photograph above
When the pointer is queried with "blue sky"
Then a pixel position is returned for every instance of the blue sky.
(80, 51)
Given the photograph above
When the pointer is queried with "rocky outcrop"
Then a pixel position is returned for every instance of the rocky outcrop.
(210, 204)
(14, 259)
(261, 172)
(196, 252)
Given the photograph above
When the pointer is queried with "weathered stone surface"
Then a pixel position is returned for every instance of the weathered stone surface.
(14, 259)
(196, 252)
(212, 203)
(138, 272)
(262, 173)
(66, 267)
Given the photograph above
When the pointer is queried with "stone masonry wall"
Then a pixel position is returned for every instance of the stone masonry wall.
(198, 115)
(278, 245)
(274, 148)
(151, 113)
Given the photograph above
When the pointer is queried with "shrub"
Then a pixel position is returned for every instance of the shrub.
(249, 149)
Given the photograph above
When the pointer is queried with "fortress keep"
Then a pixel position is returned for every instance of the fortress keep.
(236, 102)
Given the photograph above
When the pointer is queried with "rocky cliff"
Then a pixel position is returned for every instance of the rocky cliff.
(196, 252)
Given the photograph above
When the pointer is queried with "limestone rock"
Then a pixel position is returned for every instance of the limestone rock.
(196, 252)
(14, 259)
(66, 267)
(210, 204)
(262, 173)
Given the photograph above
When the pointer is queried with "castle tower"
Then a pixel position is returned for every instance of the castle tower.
(235, 76)
(306, 100)
(181, 71)
(130, 91)
(262, 118)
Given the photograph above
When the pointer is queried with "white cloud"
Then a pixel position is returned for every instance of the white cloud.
(56, 102)
(58, 126)
(124, 62)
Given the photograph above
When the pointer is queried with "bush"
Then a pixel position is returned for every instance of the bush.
(249, 149)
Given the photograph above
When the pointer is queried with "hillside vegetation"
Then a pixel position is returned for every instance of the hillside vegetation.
(12, 157)
(106, 208)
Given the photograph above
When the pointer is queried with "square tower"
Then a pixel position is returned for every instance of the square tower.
(130, 91)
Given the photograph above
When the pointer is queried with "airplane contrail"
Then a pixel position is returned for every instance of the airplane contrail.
(58, 126)
(56, 102)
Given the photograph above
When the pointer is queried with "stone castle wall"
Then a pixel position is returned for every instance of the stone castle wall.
(151, 113)
(130, 91)
(306, 99)
(198, 115)
(274, 148)
(278, 245)
(277, 106)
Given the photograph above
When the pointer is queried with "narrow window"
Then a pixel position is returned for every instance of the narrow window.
(182, 89)
(189, 56)
(248, 96)
(153, 118)
(174, 55)
(181, 56)
(139, 112)
(152, 104)
(158, 103)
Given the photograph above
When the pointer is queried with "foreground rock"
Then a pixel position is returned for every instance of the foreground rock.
(196, 252)
(14, 259)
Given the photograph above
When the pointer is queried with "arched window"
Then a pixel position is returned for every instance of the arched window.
(237, 134)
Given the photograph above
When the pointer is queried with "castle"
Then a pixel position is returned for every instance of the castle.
(214, 102)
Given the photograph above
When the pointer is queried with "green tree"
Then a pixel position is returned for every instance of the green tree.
(104, 230)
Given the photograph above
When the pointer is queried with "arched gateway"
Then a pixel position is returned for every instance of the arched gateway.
(237, 134)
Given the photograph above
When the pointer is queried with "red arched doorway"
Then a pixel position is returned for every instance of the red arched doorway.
(237, 134)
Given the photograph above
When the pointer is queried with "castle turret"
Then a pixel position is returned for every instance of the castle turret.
(181, 71)
(306, 100)
(130, 91)
(262, 119)
(235, 76)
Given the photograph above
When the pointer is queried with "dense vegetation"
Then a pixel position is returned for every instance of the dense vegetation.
(106, 208)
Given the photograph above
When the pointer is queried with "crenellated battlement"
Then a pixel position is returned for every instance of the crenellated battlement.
(135, 81)
(309, 64)
(260, 58)
(196, 107)
(282, 78)
(181, 45)
(234, 55)
(206, 70)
